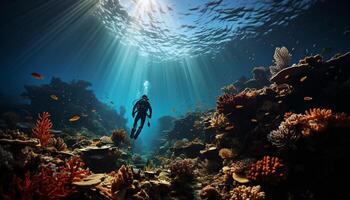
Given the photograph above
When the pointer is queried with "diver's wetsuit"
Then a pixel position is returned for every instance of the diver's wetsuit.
(141, 107)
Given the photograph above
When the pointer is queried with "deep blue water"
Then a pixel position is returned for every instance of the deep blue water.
(178, 52)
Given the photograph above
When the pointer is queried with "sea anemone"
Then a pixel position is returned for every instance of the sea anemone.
(225, 153)
(247, 193)
(182, 169)
(269, 169)
(122, 179)
(282, 58)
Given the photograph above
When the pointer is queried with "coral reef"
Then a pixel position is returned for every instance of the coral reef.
(119, 136)
(247, 193)
(42, 129)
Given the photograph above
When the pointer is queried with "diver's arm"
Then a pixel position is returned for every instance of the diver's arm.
(134, 109)
(150, 110)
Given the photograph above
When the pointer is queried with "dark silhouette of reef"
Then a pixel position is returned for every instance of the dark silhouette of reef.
(64, 100)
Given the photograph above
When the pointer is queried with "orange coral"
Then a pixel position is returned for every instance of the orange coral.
(42, 129)
(123, 179)
(269, 169)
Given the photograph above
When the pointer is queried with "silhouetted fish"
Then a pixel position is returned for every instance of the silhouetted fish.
(37, 76)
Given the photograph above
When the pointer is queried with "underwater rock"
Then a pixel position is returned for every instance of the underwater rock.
(211, 153)
(190, 149)
(209, 193)
(100, 159)
(74, 99)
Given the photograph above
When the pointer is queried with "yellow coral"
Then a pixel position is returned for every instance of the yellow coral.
(218, 120)
(247, 193)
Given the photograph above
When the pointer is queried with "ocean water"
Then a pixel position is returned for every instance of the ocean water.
(178, 52)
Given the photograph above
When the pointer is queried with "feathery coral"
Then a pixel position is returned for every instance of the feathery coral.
(269, 169)
(247, 193)
(42, 129)
(122, 179)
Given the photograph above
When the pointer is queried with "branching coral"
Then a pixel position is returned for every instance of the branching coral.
(42, 129)
(284, 137)
(182, 169)
(316, 120)
(225, 153)
(122, 179)
(240, 166)
(269, 169)
(247, 193)
(282, 58)
(218, 120)
(119, 136)
(228, 103)
(58, 143)
(51, 182)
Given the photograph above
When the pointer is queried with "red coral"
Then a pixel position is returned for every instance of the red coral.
(42, 129)
(269, 169)
(51, 183)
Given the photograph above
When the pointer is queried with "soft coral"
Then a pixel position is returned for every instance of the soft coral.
(42, 129)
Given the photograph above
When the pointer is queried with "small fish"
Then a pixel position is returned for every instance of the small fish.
(93, 110)
(286, 77)
(307, 98)
(229, 128)
(254, 120)
(112, 102)
(54, 97)
(303, 78)
(279, 102)
(267, 113)
(37, 76)
(239, 106)
(74, 118)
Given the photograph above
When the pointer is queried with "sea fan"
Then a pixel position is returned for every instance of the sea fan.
(42, 129)
(282, 58)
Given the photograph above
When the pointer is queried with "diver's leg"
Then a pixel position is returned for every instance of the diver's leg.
(143, 119)
(137, 118)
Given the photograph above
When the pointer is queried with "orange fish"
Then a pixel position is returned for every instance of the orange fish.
(307, 98)
(303, 78)
(37, 76)
(54, 97)
(239, 106)
(74, 118)
(254, 120)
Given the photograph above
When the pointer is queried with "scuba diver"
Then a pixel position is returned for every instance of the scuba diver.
(141, 107)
